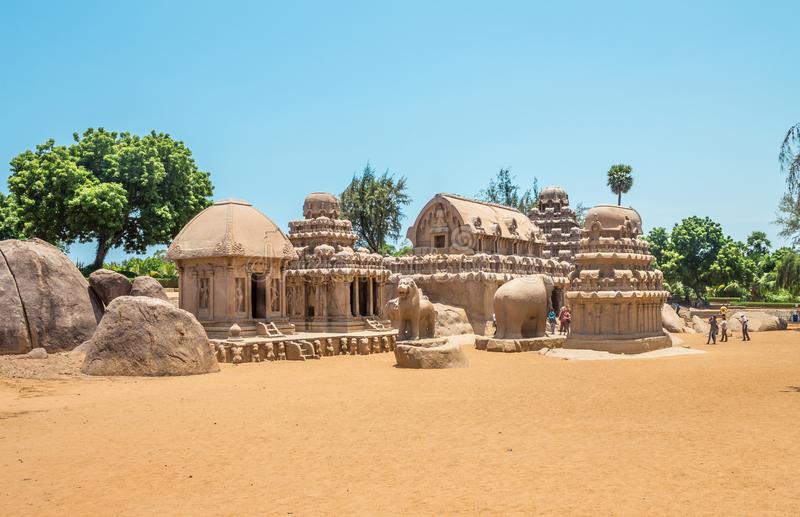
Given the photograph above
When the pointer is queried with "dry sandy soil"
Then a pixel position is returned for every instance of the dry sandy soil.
(708, 434)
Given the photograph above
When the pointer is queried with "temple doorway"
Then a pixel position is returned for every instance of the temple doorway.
(258, 296)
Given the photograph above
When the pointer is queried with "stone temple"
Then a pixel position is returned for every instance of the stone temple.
(237, 267)
(464, 250)
(615, 295)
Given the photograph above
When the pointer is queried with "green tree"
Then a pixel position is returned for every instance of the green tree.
(788, 273)
(116, 189)
(659, 243)
(694, 245)
(620, 180)
(504, 191)
(758, 246)
(789, 158)
(733, 266)
(7, 221)
(374, 205)
(789, 217)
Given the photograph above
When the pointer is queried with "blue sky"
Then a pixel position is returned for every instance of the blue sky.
(277, 99)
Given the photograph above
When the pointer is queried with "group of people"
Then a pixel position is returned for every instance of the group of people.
(721, 327)
(564, 317)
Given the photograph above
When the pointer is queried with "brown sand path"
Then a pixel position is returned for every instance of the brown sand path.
(712, 434)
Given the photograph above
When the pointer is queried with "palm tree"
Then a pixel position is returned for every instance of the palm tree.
(620, 180)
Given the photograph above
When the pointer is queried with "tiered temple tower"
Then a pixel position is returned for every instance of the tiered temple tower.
(615, 296)
(329, 286)
(557, 221)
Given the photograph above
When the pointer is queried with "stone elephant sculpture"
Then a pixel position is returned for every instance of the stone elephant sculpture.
(521, 306)
(411, 312)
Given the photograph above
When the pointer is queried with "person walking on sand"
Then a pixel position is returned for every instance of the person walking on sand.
(745, 331)
(551, 321)
(565, 320)
(712, 331)
(560, 319)
(723, 328)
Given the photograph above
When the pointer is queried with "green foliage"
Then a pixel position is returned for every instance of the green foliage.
(156, 266)
(659, 242)
(503, 191)
(789, 158)
(7, 218)
(788, 273)
(693, 248)
(620, 180)
(789, 217)
(117, 189)
(733, 269)
(389, 250)
(580, 213)
(374, 205)
(758, 245)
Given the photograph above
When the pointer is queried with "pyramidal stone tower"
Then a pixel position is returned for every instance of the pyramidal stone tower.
(615, 295)
(557, 221)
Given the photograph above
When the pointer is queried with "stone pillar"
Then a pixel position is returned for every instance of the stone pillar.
(356, 289)
(370, 294)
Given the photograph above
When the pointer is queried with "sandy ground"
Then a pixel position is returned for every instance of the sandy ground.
(707, 434)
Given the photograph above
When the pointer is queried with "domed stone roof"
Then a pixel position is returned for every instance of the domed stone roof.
(612, 217)
(550, 195)
(230, 227)
(319, 204)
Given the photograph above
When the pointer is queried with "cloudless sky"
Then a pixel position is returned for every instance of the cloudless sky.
(278, 99)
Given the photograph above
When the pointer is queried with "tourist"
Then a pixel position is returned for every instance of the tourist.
(678, 309)
(712, 331)
(745, 333)
(551, 320)
(561, 319)
(723, 327)
(565, 320)
(723, 312)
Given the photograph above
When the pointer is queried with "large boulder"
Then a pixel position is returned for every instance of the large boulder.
(44, 300)
(670, 319)
(109, 284)
(140, 335)
(448, 355)
(148, 286)
(758, 322)
(700, 325)
(451, 321)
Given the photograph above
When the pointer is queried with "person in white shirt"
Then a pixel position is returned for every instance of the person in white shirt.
(723, 328)
(745, 333)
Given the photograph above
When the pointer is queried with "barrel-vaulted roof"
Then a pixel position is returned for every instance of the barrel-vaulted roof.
(483, 217)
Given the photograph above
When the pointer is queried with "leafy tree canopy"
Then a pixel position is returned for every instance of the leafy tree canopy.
(7, 221)
(504, 191)
(620, 180)
(118, 189)
(374, 205)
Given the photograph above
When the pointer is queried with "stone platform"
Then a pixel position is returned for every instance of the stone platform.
(302, 346)
(617, 346)
(533, 344)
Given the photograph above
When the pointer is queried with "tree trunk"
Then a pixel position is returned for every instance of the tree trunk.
(100, 254)
(619, 198)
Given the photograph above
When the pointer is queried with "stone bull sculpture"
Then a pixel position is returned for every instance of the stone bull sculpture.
(521, 307)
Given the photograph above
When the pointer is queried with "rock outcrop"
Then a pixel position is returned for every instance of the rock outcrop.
(148, 286)
(700, 325)
(448, 355)
(671, 321)
(758, 322)
(108, 285)
(140, 335)
(44, 300)
(451, 321)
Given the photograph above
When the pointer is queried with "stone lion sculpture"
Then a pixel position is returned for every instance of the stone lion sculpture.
(411, 312)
